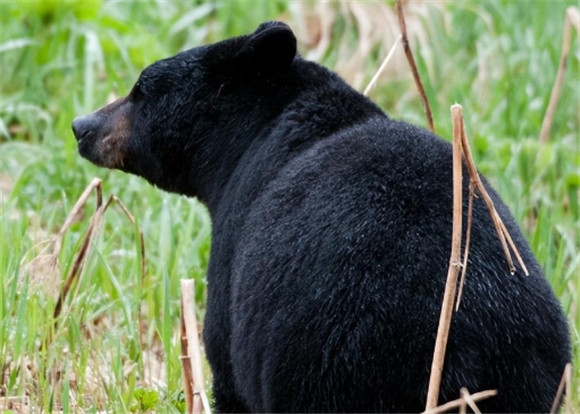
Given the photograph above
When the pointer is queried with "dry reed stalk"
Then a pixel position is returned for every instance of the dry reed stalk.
(468, 400)
(503, 235)
(47, 264)
(94, 226)
(96, 221)
(568, 375)
(461, 147)
(572, 18)
(382, 68)
(143, 261)
(82, 252)
(454, 264)
(196, 397)
(413, 65)
(467, 242)
(478, 396)
(95, 185)
(186, 365)
(565, 383)
(463, 408)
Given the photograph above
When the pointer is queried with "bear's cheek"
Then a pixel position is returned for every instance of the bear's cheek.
(110, 152)
(110, 149)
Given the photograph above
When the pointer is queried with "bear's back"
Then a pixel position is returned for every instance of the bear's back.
(347, 248)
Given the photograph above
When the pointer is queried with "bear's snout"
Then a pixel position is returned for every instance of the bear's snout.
(102, 135)
(85, 127)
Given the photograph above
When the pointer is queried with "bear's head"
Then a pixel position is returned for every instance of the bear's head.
(190, 115)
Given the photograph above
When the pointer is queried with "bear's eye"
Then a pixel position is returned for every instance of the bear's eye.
(137, 91)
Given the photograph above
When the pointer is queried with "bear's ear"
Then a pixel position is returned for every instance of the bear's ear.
(271, 47)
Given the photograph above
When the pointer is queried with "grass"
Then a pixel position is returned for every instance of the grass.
(58, 60)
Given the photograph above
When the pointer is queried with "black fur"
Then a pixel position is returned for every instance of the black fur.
(331, 240)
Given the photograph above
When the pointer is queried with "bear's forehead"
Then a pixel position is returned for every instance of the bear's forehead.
(183, 60)
(175, 68)
(182, 64)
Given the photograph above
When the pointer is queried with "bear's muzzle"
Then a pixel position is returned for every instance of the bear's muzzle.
(102, 135)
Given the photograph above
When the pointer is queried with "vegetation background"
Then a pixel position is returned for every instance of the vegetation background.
(116, 347)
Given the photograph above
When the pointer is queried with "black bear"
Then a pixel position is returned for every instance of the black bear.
(331, 238)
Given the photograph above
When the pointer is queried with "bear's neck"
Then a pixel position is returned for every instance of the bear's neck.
(257, 152)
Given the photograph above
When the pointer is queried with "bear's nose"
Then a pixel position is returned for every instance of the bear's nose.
(85, 126)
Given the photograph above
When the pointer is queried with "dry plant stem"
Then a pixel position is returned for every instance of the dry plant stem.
(565, 382)
(513, 247)
(96, 221)
(467, 241)
(454, 264)
(572, 18)
(461, 147)
(143, 269)
(199, 401)
(413, 66)
(95, 184)
(568, 374)
(500, 228)
(478, 396)
(488, 201)
(94, 225)
(186, 366)
(469, 400)
(382, 68)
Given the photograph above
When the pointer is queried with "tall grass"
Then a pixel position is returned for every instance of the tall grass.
(59, 60)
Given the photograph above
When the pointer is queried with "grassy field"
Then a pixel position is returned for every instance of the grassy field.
(116, 346)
